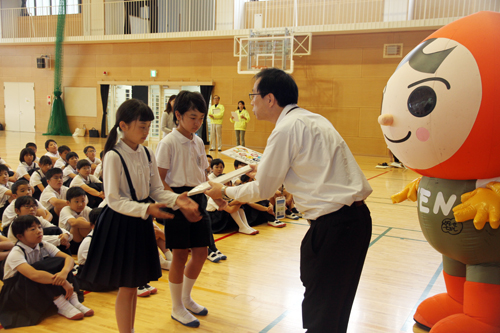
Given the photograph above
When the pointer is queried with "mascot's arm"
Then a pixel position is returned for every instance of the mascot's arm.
(409, 192)
(482, 205)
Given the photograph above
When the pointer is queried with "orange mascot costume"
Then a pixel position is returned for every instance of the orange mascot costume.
(441, 117)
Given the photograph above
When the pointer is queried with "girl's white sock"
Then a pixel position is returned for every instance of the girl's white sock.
(179, 312)
(188, 301)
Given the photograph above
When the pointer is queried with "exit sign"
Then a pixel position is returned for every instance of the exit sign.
(153, 73)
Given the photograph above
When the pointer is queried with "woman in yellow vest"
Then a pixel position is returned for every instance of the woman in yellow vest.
(240, 124)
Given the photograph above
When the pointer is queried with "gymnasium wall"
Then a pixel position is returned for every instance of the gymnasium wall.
(343, 79)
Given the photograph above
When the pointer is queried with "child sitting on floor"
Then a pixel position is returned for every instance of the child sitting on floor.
(27, 205)
(89, 183)
(69, 170)
(38, 270)
(63, 152)
(51, 147)
(27, 163)
(98, 168)
(5, 185)
(75, 217)
(53, 197)
(19, 189)
(5, 246)
(90, 151)
(38, 180)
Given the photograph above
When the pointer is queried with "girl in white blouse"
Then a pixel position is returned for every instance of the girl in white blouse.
(182, 165)
(28, 164)
(123, 251)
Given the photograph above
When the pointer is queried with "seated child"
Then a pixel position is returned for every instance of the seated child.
(237, 164)
(82, 256)
(209, 159)
(12, 175)
(98, 168)
(39, 270)
(53, 197)
(90, 151)
(61, 161)
(5, 185)
(261, 211)
(27, 205)
(89, 183)
(69, 170)
(51, 147)
(33, 147)
(75, 217)
(5, 246)
(38, 180)
(19, 189)
(217, 167)
(28, 164)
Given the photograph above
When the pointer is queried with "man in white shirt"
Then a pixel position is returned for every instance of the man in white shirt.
(306, 154)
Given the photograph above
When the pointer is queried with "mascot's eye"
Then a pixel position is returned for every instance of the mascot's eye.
(422, 101)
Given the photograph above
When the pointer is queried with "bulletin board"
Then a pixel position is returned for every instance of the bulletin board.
(80, 101)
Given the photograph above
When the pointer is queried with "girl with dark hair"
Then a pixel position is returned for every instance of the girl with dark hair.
(182, 163)
(28, 164)
(123, 251)
(240, 123)
(167, 120)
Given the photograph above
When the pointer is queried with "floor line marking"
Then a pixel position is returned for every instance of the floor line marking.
(275, 322)
(379, 237)
(409, 320)
(383, 173)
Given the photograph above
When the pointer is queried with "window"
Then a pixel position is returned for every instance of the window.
(51, 7)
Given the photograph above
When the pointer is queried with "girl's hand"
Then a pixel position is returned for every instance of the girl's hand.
(69, 289)
(155, 211)
(221, 203)
(188, 207)
(211, 116)
(243, 117)
(270, 210)
(58, 279)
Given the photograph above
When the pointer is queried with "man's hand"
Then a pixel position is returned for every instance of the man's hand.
(409, 192)
(482, 205)
(252, 173)
(156, 211)
(188, 207)
(215, 192)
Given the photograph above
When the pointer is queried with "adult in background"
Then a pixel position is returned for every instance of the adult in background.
(216, 114)
(307, 154)
(167, 120)
(240, 124)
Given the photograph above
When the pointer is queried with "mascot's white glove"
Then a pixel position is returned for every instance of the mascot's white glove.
(482, 205)
(409, 192)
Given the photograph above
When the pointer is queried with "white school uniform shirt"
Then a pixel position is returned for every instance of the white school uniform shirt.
(3, 197)
(36, 178)
(23, 168)
(49, 193)
(2, 161)
(306, 154)
(60, 163)
(9, 213)
(52, 155)
(144, 176)
(184, 158)
(83, 250)
(98, 170)
(78, 181)
(96, 161)
(68, 213)
(52, 239)
(16, 256)
(67, 171)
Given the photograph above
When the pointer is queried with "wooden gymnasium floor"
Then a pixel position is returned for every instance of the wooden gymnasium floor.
(258, 289)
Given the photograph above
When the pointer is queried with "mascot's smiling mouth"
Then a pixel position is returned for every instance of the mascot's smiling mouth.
(400, 140)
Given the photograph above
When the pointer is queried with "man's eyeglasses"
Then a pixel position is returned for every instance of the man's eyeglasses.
(252, 96)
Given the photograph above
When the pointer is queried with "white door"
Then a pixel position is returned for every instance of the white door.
(19, 100)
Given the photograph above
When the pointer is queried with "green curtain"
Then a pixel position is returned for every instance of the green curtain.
(58, 122)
